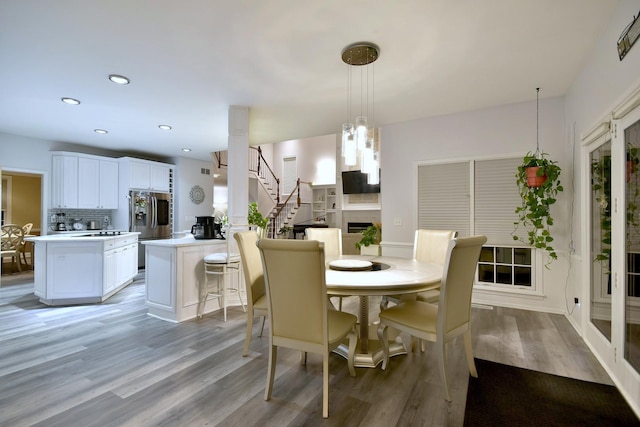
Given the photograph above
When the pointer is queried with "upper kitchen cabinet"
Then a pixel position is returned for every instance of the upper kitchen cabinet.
(64, 182)
(98, 183)
(83, 181)
(147, 175)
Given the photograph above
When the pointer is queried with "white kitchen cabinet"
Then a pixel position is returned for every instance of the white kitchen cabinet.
(83, 269)
(151, 176)
(98, 183)
(64, 182)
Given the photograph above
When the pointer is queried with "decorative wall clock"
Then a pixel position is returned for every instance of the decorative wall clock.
(196, 194)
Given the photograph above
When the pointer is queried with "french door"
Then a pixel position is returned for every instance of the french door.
(612, 162)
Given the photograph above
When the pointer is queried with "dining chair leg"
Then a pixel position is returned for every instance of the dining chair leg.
(384, 340)
(271, 371)
(469, 350)
(247, 340)
(262, 327)
(325, 385)
(443, 368)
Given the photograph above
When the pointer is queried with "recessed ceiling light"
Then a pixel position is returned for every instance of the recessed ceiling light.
(121, 80)
(186, 150)
(164, 127)
(70, 101)
(101, 131)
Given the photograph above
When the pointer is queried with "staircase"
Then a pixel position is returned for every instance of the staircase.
(282, 213)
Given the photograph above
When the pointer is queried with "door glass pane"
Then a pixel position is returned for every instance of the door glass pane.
(600, 160)
(632, 294)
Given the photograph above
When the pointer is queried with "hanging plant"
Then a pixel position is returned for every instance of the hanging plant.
(534, 214)
(538, 180)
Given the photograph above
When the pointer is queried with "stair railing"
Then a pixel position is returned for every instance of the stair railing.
(282, 211)
(258, 164)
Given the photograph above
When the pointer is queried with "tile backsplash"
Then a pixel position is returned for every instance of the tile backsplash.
(84, 215)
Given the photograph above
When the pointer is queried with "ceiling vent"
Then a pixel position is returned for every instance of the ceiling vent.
(629, 37)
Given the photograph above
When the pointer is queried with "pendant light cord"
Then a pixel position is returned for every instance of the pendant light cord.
(537, 124)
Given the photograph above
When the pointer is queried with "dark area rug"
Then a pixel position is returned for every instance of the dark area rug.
(504, 395)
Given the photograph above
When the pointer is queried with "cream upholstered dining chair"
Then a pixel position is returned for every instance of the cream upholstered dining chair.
(428, 246)
(254, 281)
(294, 274)
(220, 265)
(332, 239)
(451, 317)
(11, 241)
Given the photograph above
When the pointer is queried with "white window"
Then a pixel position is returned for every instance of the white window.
(479, 197)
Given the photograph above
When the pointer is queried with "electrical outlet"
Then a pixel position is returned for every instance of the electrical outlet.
(106, 219)
(53, 218)
(576, 300)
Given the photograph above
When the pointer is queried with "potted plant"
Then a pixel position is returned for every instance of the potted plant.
(256, 219)
(284, 231)
(537, 196)
(369, 244)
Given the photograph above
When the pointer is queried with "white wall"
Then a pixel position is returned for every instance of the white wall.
(189, 174)
(491, 132)
(315, 157)
(601, 85)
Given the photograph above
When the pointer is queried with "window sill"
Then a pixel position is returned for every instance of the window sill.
(527, 293)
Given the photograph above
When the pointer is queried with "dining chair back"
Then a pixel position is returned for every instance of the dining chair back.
(428, 246)
(220, 265)
(254, 281)
(26, 229)
(332, 239)
(451, 317)
(11, 243)
(299, 319)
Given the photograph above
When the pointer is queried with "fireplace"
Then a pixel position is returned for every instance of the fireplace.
(357, 227)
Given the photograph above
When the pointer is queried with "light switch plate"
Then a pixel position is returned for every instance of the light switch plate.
(397, 221)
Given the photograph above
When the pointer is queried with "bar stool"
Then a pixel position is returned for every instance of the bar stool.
(220, 265)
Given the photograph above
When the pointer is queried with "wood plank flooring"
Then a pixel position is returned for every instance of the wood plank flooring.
(111, 364)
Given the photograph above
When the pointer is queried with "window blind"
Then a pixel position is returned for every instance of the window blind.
(443, 197)
(496, 199)
(289, 174)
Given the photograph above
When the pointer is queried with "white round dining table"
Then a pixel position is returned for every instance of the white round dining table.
(389, 276)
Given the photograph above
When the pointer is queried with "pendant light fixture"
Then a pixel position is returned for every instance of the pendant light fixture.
(358, 141)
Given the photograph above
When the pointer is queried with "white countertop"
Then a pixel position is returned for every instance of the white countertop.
(183, 241)
(87, 236)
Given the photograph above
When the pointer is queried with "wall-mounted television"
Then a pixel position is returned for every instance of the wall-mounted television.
(355, 182)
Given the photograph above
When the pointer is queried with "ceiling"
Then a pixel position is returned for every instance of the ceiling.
(189, 60)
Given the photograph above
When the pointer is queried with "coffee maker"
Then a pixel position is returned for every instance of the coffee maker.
(206, 227)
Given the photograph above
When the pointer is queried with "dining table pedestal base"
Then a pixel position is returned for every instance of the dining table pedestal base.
(374, 354)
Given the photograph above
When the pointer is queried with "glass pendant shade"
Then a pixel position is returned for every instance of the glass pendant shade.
(373, 177)
(366, 162)
(347, 131)
(350, 151)
(361, 131)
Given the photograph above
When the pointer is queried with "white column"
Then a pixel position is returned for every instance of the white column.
(238, 165)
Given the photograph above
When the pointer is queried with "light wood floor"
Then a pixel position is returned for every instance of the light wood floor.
(111, 364)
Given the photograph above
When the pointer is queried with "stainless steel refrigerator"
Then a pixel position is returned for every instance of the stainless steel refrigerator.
(150, 214)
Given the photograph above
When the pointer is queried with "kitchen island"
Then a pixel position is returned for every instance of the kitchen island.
(174, 271)
(84, 267)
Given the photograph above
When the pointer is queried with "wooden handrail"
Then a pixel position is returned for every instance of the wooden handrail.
(256, 159)
(277, 219)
